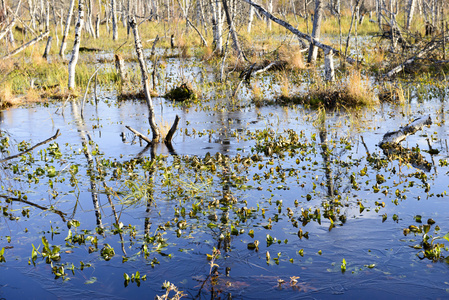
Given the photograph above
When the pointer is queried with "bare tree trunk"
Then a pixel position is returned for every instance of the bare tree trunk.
(250, 18)
(411, 11)
(217, 25)
(76, 45)
(234, 37)
(270, 10)
(32, 13)
(145, 81)
(329, 66)
(379, 7)
(313, 51)
(97, 26)
(67, 27)
(47, 16)
(47, 47)
(89, 26)
(114, 20)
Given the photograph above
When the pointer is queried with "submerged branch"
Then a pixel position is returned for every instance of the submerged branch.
(30, 149)
(140, 135)
(58, 212)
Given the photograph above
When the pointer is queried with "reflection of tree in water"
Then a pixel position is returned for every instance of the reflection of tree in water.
(94, 171)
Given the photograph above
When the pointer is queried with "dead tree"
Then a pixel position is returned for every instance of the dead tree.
(114, 20)
(411, 10)
(24, 46)
(298, 33)
(145, 79)
(395, 137)
(233, 32)
(217, 25)
(47, 47)
(76, 45)
(313, 50)
(67, 28)
(422, 53)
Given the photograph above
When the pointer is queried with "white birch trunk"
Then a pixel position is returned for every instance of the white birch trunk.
(270, 10)
(250, 18)
(114, 20)
(67, 28)
(316, 31)
(411, 10)
(32, 15)
(76, 45)
(217, 25)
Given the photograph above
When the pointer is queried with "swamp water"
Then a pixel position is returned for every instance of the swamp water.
(270, 202)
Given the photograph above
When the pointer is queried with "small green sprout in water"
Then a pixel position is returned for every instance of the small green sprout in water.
(2, 257)
(343, 265)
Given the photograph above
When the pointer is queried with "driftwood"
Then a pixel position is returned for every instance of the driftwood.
(423, 52)
(58, 212)
(24, 46)
(31, 149)
(298, 33)
(266, 65)
(395, 137)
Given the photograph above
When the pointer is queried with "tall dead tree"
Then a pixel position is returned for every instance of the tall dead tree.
(217, 25)
(235, 40)
(270, 10)
(76, 45)
(67, 28)
(316, 31)
(145, 79)
(114, 19)
(250, 18)
(411, 10)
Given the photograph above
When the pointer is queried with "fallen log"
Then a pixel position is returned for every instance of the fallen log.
(266, 65)
(298, 33)
(24, 46)
(395, 137)
(429, 47)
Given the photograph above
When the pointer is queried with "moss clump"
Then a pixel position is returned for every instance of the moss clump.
(182, 93)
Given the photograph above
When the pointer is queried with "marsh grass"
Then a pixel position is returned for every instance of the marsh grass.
(352, 91)
(391, 92)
